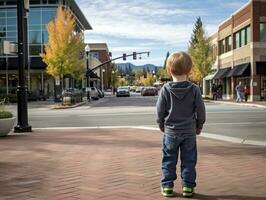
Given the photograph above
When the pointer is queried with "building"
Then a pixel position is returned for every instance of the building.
(41, 12)
(240, 52)
(99, 53)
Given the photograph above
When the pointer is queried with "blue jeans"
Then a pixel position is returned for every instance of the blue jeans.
(187, 145)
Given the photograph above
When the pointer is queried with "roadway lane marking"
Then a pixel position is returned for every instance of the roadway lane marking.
(114, 114)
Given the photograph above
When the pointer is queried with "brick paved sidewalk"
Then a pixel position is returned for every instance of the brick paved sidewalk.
(120, 164)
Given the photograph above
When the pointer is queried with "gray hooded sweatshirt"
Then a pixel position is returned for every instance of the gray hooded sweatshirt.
(180, 107)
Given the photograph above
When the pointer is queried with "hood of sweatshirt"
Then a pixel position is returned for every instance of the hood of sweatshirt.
(179, 89)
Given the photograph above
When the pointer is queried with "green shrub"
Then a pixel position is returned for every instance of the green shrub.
(5, 114)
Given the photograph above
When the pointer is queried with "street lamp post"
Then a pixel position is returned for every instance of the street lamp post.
(87, 50)
(103, 70)
(22, 109)
(112, 76)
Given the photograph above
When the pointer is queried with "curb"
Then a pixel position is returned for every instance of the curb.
(238, 104)
(203, 134)
(66, 107)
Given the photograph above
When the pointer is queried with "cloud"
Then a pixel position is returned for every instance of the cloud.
(138, 20)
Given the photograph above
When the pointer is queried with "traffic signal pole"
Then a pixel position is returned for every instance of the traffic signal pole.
(111, 60)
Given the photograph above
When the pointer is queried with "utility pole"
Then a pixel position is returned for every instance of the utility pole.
(22, 108)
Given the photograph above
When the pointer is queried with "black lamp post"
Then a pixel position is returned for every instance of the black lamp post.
(87, 50)
(22, 9)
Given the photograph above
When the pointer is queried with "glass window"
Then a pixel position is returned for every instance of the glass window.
(44, 37)
(237, 40)
(47, 16)
(2, 13)
(95, 54)
(34, 17)
(243, 37)
(52, 1)
(12, 34)
(11, 12)
(35, 50)
(2, 21)
(35, 27)
(11, 28)
(248, 34)
(229, 44)
(34, 37)
(34, 1)
(2, 34)
(223, 46)
(2, 28)
(12, 39)
(11, 2)
(263, 32)
(11, 21)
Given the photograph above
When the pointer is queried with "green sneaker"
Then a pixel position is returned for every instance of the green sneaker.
(167, 192)
(188, 192)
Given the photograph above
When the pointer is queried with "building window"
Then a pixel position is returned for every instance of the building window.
(248, 34)
(229, 43)
(35, 37)
(242, 37)
(95, 54)
(263, 32)
(35, 50)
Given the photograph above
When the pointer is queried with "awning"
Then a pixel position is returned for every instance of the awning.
(240, 70)
(261, 68)
(222, 73)
(209, 77)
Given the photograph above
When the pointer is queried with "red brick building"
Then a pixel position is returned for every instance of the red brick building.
(240, 51)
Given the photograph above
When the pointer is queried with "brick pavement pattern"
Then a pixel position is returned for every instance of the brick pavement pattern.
(120, 164)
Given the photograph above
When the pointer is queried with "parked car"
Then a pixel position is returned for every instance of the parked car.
(149, 91)
(139, 89)
(133, 88)
(93, 93)
(75, 94)
(123, 92)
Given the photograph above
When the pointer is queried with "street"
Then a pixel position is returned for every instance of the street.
(235, 121)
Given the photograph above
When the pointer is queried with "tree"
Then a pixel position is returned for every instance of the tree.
(63, 52)
(201, 53)
(167, 55)
(147, 81)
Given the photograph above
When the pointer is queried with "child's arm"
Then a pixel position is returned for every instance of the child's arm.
(200, 111)
(161, 110)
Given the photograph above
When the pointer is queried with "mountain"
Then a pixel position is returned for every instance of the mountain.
(123, 66)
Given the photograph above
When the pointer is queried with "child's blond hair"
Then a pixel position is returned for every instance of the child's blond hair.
(179, 63)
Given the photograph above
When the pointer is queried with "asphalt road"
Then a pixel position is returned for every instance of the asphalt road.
(235, 121)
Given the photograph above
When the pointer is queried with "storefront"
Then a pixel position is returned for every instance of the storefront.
(261, 71)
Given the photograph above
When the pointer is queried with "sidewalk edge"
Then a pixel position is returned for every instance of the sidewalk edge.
(238, 104)
(204, 134)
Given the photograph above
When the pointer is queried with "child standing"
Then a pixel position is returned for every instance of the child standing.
(180, 115)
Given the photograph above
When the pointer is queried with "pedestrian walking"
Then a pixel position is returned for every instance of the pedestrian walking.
(214, 91)
(88, 94)
(239, 92)
(220, 91)
(247, 92)
(180, 115)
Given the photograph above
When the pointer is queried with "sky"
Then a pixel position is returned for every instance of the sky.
(157, 26)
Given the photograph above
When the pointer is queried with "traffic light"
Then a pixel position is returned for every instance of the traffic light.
(134, 55)
(124, 56)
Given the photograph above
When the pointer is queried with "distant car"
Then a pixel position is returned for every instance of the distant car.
(123, 92)
(149, 91)
(139, 89)
(93, 92)
(133, 88)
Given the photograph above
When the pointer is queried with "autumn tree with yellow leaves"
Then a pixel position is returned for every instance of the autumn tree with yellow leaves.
(201, 53)
(63, 52)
